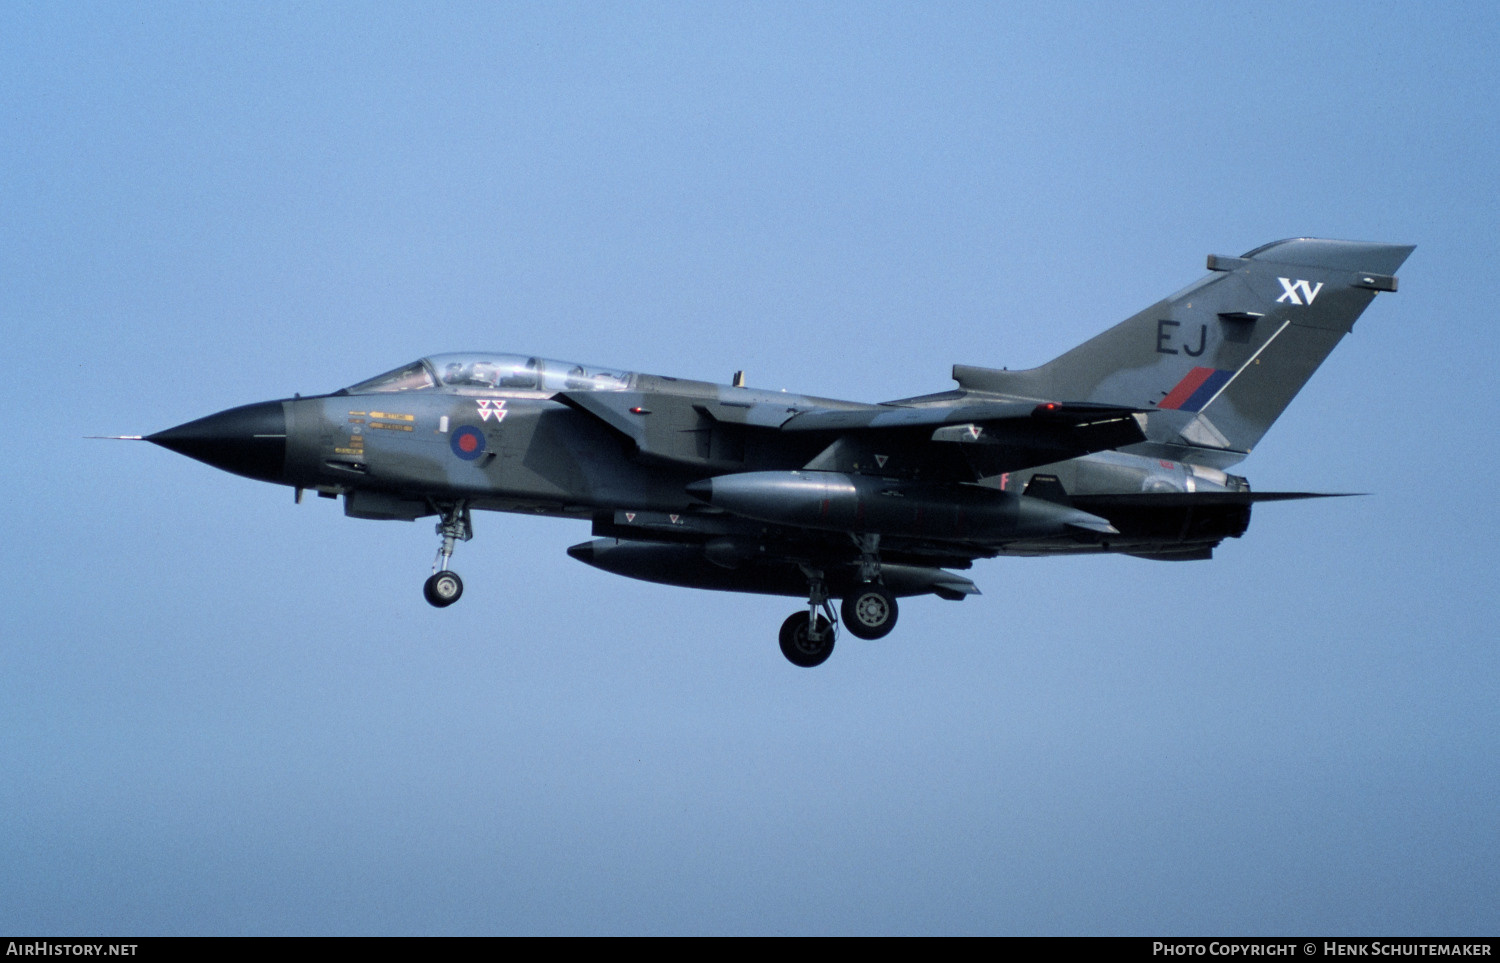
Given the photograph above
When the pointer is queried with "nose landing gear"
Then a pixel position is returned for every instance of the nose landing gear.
(443, 587)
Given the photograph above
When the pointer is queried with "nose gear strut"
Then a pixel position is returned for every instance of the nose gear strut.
(444, 587)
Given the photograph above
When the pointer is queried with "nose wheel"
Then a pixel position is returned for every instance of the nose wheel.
(444, 587)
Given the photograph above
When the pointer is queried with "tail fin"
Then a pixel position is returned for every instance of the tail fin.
(1220, 360)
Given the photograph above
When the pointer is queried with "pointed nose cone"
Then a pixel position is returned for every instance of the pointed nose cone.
(249, 440)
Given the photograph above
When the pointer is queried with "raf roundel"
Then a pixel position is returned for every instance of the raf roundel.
(467, 442)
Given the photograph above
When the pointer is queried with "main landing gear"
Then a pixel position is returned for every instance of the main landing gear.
(869, 612)
(807, 637)
(444, 588)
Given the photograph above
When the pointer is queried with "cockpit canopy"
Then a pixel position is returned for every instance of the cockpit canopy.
(494, 372)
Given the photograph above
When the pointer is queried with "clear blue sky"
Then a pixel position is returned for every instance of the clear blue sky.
(223, 713)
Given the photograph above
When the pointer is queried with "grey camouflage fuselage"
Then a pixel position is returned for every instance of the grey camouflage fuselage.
(1119, 445)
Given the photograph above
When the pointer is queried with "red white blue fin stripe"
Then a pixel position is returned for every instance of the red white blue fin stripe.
(1196, 390)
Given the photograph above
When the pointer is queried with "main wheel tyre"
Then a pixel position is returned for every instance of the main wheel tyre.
(870, 612)
(443, 589)
(799, 648)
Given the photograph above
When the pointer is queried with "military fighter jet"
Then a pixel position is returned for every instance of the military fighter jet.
(1119, 445)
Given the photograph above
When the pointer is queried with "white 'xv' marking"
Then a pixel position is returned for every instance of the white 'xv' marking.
(1298, 292)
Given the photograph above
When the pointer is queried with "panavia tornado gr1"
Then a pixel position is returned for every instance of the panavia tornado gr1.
(1119, 445)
